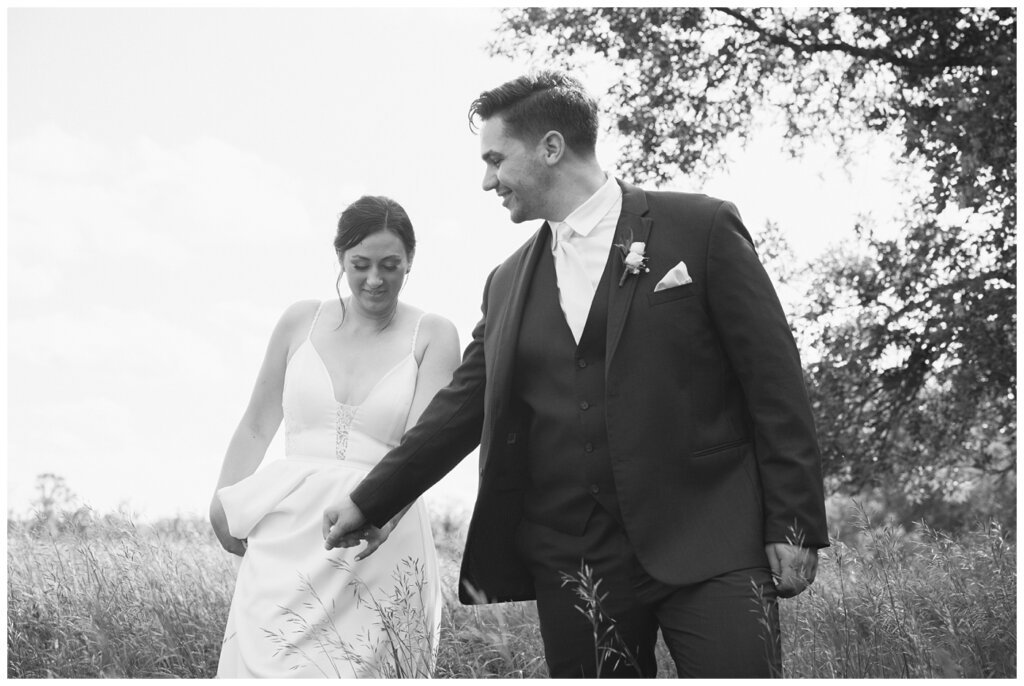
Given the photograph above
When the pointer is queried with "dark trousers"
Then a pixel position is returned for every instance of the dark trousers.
(727, 626)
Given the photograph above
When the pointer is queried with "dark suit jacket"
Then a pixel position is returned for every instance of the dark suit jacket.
(712, 442)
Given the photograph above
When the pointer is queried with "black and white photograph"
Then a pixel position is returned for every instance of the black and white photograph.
(511, 342)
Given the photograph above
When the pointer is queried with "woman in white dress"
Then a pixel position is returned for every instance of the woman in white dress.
(348, 377)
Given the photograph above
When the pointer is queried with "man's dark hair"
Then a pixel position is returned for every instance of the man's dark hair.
(540, 102)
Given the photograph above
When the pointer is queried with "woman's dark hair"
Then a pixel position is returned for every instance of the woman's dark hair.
(365, 217)
(368, 215)
(537, 103)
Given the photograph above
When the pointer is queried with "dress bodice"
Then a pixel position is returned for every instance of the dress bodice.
(318, 426)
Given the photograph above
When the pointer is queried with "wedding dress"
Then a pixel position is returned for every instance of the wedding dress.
(302, 611)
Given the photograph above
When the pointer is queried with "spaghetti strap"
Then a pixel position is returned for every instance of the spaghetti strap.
(416, 332)
(315, 317)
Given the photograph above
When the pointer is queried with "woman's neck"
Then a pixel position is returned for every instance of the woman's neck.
(363, 322)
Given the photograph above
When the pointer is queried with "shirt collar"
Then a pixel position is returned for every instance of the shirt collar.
(587, 216)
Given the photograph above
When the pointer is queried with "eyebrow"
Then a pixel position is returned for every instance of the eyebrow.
(393, 256)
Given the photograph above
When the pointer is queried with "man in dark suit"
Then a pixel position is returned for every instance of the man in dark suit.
(640, 408)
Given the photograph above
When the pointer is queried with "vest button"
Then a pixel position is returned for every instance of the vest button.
(594, 489)
(584, 405)
(581, 363)
(589, 447)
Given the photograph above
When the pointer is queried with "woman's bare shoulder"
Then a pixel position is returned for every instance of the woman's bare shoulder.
(436, 329)
(298, 314)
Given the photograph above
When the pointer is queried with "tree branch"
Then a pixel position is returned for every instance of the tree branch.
(872, 54)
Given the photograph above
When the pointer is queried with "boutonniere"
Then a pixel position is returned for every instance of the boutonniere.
(634, 260)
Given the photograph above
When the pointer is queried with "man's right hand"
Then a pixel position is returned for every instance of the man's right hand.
(343, 525)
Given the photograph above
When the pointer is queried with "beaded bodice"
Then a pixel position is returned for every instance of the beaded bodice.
(318, 426)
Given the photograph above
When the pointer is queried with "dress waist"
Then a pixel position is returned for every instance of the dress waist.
(329, 460)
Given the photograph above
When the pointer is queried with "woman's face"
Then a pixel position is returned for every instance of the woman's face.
(375, 270)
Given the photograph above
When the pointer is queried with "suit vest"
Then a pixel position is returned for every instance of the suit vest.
(560, 387)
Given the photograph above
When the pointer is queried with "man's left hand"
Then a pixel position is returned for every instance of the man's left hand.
(793, 567)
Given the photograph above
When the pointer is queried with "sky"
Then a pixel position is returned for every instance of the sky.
(174, 179)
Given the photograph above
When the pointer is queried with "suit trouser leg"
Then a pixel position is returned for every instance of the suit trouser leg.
(570, 648)
(726, 626)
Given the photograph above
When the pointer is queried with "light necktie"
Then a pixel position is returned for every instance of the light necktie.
(575, 291)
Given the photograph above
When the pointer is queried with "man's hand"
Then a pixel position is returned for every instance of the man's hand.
(344, 525)
(793, 567)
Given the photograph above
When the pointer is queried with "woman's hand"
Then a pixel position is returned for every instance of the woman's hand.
(219, 520)
(374, 537)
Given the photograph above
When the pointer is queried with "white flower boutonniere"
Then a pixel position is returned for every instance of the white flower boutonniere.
(634, 260)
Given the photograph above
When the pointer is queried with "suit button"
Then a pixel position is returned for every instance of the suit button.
(584, 405)
(594, 489)
(581, 363)
(589, 447)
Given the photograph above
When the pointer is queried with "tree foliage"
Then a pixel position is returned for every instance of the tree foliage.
(912, 340)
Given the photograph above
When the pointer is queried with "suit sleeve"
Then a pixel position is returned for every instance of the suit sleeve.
(759, 344)
(448, 430)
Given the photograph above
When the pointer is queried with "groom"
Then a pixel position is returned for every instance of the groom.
(640, 408)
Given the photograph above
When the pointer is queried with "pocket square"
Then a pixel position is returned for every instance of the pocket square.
(677, 276)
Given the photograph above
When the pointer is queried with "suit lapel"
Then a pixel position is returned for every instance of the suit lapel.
(511, 320)
(633, 226)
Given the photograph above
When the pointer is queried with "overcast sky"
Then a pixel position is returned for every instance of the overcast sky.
(174, 181)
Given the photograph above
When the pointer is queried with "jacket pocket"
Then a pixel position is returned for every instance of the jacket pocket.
(687, 290)
(720, 448)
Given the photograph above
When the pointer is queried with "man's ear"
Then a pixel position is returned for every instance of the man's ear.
(552, 146)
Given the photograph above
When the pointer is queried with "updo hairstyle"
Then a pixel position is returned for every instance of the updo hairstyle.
(368, 215)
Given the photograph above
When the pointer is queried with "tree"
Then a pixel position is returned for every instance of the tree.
(913, 340)
(54, 498)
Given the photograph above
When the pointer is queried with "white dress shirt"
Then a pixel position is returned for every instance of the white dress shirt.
(580, 245)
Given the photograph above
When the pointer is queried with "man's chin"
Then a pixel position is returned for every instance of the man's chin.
(519, 217)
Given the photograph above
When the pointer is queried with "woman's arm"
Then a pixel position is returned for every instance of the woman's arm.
(440, 358)
(261, 419)
(437, 363)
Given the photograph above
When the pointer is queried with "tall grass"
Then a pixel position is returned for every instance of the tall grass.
(403, 648)
(119, 600)
(115, 600)
(920, 605)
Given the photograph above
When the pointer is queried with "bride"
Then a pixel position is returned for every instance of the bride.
(347, 376)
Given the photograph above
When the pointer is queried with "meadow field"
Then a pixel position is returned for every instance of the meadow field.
(103, 597)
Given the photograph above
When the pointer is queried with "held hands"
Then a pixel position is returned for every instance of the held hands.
(344, 526)
(793, 567)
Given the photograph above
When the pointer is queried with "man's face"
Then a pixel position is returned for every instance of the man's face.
(515, 171)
